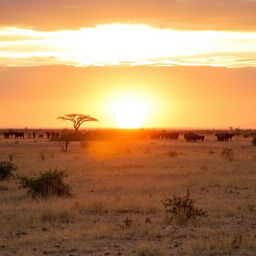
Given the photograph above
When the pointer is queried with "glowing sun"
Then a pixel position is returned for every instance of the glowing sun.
(129, 113)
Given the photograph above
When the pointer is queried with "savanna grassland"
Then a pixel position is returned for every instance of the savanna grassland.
(117, 190)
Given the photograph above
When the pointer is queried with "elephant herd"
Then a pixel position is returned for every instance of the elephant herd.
(21, 135)
(101, 134)
(190, 136)
(193, 137)
(16, 135)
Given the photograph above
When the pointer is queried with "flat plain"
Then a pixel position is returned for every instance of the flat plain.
(116, 181)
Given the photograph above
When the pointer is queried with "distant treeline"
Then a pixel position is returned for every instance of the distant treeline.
(106, 134)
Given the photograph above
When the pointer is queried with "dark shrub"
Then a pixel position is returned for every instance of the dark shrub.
(172, 153)
(47, 184)
(254, 141)
(58, 216)
(6, 169)
(181, 209)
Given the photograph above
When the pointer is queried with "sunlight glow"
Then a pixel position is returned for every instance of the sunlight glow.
(126, 44)
(129, 112)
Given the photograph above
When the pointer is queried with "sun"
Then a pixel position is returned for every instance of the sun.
(129, 112)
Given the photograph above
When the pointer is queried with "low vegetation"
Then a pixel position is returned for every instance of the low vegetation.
(181, 209)
(47, 184)
(6, 170)
(117, 189)
(254, 141)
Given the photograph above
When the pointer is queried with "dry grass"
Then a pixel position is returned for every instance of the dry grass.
(113, 181)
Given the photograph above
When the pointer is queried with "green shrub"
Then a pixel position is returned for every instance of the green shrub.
(47, 184)
(181, 209)
(6, 169)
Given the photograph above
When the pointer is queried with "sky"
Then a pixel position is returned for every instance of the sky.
(192, 62)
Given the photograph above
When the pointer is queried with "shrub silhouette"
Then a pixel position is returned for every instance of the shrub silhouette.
(254, 141)
(56, 217)
(6, 169)
(181, 209)
(47, 184)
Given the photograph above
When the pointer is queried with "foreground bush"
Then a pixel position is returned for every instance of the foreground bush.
(6, 169)
(47, 184)
(50, 216)
(181, 209)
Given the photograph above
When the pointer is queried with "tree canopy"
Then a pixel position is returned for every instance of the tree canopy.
(77, 119)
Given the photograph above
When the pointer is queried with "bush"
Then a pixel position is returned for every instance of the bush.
(181, 209)
(172, 153)
(47, 184)
(6, 169)
(254, 141)
(56, 217)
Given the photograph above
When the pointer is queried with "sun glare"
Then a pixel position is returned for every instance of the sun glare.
(126, 44)
(129, 112)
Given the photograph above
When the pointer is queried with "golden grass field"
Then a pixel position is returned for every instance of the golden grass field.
(112, 181)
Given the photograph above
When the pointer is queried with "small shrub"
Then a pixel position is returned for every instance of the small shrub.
(65, 139)
(127, 222)
(6, 169)
(254, 141)
(59, 217)
(11, 157)
(246, 135)
(42, 156)
(227, 153)
(236, 243)
(47, 184)
(172, 153)
(181, 209)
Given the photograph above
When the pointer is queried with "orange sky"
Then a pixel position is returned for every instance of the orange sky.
(192, 62)
(180, 96)
(232, 15)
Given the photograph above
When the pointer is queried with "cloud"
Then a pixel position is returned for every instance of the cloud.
(235, 15)
(120, 44)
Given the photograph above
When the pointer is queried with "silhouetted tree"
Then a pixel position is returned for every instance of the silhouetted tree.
(77, 119)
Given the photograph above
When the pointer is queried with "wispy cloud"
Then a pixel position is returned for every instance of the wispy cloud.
(118, 44)
(232, 15)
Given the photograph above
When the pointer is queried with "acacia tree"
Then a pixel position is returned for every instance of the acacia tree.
(77, 119)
